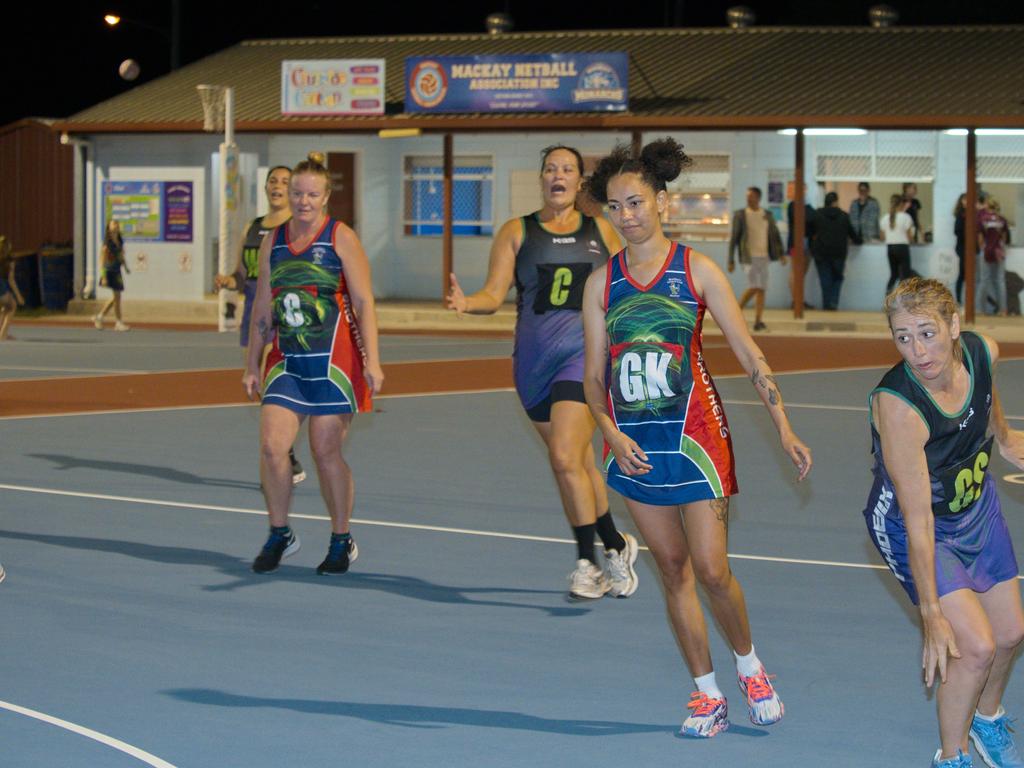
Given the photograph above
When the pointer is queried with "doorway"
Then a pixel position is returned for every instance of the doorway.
(342, 203)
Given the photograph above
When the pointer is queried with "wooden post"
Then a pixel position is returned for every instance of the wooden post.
(447, 242)
(638, 142)
(971, 227)
(799, 228)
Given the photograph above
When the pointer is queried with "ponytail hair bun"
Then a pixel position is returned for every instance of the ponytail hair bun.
(314, 163)
(659, 162)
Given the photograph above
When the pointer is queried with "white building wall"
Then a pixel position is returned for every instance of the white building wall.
(406, 267)
(175, 271)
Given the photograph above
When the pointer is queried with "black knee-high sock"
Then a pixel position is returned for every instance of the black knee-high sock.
(610, 536)
(585, 542)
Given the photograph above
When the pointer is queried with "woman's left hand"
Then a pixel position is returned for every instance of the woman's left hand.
(374, 376)
(1013, 448)
(798, 452)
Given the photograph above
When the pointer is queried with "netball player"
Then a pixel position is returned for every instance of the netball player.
(669, 450)
(549, 255)
(247, 269)
(314, 287)
(934, 515)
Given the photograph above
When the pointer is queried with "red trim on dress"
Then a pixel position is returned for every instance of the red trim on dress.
(672, 245)
(689, 279)
(288, 239)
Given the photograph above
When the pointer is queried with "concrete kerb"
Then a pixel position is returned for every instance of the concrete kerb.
(431, 317)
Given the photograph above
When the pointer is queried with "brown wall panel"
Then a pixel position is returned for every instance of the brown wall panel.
(36, 193)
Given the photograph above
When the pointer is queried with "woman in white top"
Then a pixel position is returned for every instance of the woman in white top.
(896, 228)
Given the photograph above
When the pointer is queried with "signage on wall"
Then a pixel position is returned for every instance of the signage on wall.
(332, 87)
(552, 82)
(150, 211)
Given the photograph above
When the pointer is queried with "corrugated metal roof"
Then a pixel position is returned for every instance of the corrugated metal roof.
(769, 76)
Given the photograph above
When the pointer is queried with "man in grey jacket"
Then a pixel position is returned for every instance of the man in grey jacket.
(864, 214)
(756, 237)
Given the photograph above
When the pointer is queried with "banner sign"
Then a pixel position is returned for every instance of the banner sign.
(150, 211)
(178, 211)
(552, 82)
(332, 87)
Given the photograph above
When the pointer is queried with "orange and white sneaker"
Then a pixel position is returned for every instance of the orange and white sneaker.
(762, 700)
(707, 716)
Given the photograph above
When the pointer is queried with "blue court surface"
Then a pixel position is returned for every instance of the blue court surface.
(134, 632)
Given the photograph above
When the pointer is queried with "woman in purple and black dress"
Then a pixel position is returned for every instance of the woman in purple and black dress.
(549, 254)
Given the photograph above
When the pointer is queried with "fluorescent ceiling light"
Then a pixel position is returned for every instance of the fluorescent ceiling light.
(1000, 132)
(986, 132)
(824, 132)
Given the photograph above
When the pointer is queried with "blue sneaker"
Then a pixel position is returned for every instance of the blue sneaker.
(960, 761)
(994, 743)
(707, 716)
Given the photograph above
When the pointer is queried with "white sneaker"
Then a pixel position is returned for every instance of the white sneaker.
(618, 568)
(119, 326)
(98, 322)
(587, 582)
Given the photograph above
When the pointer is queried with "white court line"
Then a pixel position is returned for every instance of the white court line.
(49, 368)
(388, 524)
(410, 526)
(109, 741)
(163, 408)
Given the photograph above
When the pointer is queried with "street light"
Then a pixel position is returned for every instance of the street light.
(173, 37)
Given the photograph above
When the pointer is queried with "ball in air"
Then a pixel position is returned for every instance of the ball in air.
(129, 69)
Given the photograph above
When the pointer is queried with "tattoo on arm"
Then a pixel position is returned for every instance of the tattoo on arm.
(721, 509)
(263, 328)
(759, 380)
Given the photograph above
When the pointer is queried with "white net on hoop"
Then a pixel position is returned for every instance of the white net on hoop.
(212, 98)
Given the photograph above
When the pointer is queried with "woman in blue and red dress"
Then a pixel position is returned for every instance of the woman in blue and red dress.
(314, 300)
(668, 447)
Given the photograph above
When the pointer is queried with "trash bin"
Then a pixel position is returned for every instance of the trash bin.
(26, 273)
(56, 277)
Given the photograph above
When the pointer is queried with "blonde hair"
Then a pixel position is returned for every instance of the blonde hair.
(922, 296)
(315, 163)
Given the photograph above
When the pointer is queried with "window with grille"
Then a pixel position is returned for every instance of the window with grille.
(472, 195)
(698, 201)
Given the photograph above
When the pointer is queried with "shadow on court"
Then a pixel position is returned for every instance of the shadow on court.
(401, 586)
(63, 462)
(413, 716)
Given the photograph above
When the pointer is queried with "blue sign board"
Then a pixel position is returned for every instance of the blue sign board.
(552, 82)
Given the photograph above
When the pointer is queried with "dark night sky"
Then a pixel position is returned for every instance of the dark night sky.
(58, 60)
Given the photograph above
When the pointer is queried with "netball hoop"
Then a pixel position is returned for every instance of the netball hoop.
(219, 114)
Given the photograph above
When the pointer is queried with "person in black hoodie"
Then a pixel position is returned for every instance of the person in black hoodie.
(832, 234)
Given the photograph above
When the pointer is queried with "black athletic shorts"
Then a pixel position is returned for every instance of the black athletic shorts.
(560, 390)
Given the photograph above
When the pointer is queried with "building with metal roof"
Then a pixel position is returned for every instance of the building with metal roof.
(725, 92)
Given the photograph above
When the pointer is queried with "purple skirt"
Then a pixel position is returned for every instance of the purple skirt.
(973, 550)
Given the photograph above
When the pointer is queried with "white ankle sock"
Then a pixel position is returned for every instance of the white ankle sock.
(748, 665)
(990, 718)
(706, 684)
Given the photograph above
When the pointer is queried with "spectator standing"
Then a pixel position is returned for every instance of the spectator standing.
(832, 234)
(897, 228)
(913, 208)
(756, 237)
(993, 235)
(865, 213)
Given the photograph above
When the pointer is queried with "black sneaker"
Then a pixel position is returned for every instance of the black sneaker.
(759, 326)
(339, 558)
(278, 546)
(298, 473)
